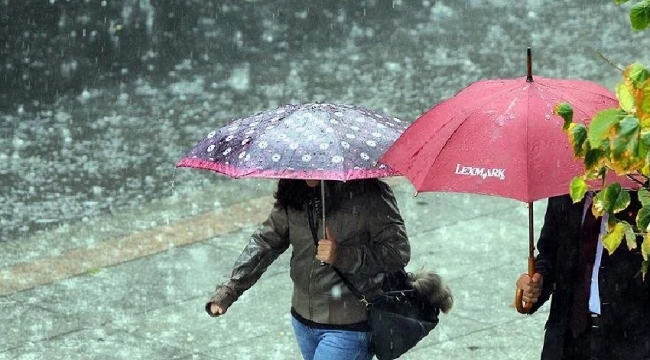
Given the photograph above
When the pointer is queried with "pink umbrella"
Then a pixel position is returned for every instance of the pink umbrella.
(501, 138)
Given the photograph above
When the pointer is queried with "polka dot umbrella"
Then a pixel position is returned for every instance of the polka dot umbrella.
(300, 141)
(306, 141)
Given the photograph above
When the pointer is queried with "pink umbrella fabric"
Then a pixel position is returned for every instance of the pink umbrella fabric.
(498, 137)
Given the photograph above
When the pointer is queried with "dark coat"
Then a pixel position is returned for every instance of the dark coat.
(624, 295)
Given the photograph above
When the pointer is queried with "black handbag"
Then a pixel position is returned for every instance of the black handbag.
(398, 317)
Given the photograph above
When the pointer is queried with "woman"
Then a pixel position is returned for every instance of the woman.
(365, 238)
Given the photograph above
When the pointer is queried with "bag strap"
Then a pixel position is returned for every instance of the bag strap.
(353, 289)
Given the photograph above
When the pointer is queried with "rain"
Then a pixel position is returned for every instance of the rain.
(100, 99)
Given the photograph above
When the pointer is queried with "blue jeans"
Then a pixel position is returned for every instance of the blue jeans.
(328, 344)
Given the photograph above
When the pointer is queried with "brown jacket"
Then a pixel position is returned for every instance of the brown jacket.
(371, 239)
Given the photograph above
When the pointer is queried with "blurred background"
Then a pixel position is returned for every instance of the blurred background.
(99, 99)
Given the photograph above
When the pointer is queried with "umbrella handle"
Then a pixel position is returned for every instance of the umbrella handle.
(522, 306)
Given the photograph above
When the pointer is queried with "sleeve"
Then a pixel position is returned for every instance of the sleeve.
(265, 245)
(389, 249)
(547, 247)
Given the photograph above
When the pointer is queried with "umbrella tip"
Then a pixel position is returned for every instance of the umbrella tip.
(529, 65)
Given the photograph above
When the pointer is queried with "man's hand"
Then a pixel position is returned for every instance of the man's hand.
(326, 251)
(532, 287)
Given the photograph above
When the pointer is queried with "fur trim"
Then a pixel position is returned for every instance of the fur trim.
(431, 286)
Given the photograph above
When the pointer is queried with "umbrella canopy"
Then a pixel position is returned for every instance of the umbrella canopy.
(498, 137)
(300, 141)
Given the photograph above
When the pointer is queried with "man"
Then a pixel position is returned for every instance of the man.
(604, 319)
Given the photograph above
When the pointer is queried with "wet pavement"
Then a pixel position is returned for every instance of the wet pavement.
(140, 294)
(108, 252)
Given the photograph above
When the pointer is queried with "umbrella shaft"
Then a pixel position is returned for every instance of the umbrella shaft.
(531, 232)
(322, 196)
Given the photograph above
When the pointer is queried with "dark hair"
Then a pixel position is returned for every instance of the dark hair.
(294, 194)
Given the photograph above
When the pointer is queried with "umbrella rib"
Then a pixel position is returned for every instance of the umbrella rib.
(571, 100)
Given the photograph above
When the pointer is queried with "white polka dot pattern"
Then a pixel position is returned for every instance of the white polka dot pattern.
(325, 141)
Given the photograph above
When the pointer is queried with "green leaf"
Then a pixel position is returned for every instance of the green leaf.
(566, 112)
(645, 136)
(629, 126)
(626, 142)
(593, 157)
(632, 147)
(622, 202)
(600, 125)
(643, 219)
(645, 247)
(578, 189)
(644, 269)
(630, 236)
(625, 97)
(643, 103)
(611, 199)
(644, 196)
(640, 15)
(637, 73)
(613, 239)
(619, 2)
(578, 136)
(605, 147)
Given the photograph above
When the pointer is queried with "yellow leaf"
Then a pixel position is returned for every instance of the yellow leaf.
(645, 170)
(613, 239)
(578, 188)
(598, 208)
(630, 236)
(643, 103)
(625, 97)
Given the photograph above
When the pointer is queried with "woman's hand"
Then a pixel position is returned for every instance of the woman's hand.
(326, 251)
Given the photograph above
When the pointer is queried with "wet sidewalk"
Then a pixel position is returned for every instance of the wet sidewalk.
(133, 285)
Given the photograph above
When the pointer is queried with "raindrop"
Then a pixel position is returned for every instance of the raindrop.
(173, 179)
(336, 292)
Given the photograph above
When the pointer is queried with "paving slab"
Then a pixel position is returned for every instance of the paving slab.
(95, 344)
